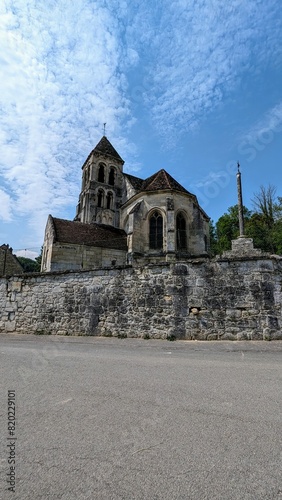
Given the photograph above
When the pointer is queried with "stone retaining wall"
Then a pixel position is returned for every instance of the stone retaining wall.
(200, 299)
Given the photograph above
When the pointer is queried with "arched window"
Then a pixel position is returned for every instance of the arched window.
(101, 173)
(112, 176)
(109, 200)
(156, 231)
(100, 198)
(181, 238)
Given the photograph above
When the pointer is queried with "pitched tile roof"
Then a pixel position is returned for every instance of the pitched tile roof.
(105, 147)
(136, 182)
(162, 180)
(9, 263)
(97, 235)
(158, 181)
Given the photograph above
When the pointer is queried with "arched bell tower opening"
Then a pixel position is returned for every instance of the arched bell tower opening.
(112, 176)
(101, 173)
(101, 192)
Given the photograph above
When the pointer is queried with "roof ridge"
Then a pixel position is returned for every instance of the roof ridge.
(167, 176)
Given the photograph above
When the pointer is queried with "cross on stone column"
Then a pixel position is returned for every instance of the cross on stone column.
(240, 203)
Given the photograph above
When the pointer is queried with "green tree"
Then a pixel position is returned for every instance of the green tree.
(29, 265)
(265, 225)
(39, 259)
(277, 208)
(213, 239)
(264, 204)
(257, 229)
(277, 236)
(227, 227)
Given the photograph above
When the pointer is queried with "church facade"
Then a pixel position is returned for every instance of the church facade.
(125, 220)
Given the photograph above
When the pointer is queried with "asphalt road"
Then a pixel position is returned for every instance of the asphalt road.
(141, 419)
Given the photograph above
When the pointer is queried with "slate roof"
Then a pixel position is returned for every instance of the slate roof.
(157, 182)
(162, 180)
(105, 147)
(136, 182)
(97, 235)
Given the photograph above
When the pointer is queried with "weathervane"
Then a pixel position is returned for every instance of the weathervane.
(105, 128)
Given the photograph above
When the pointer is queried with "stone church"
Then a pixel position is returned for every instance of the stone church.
(125, 220)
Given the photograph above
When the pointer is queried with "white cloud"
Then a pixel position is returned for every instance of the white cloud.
(198, 53)
(213, 177)
(261, 133)
(6, 206)
(269, 124)
(60, 80)
(68, 67)
(28, 254)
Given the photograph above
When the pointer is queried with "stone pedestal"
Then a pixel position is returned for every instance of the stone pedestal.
(242, 246)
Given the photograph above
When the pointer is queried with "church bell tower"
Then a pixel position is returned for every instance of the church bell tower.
(101, 190)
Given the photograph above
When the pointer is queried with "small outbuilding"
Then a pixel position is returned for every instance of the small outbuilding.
(9, 264)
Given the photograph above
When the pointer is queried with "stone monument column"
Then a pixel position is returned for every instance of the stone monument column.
(242, 246)
(240, 203)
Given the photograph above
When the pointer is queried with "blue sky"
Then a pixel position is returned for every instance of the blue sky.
(188, 86)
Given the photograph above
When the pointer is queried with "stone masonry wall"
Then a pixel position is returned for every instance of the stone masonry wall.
(200, 299)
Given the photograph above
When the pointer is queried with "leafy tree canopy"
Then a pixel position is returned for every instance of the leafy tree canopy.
(29, 265)
(263, 223)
